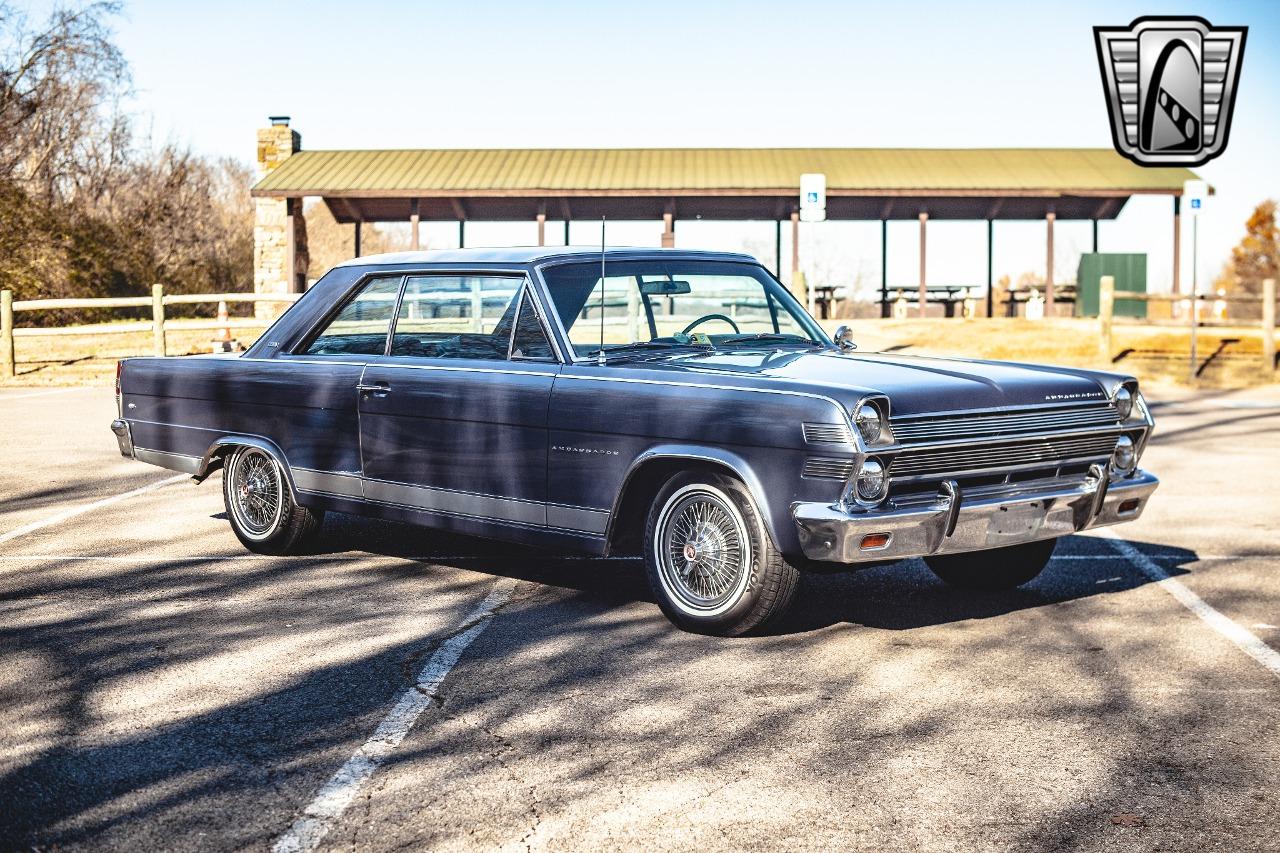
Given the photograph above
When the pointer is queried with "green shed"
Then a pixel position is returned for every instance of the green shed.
(1130, 273)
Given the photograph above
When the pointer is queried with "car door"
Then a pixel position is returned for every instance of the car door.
(309, 398)
(454, 418)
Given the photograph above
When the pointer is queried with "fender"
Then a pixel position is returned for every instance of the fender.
(700, 453)
(212, 460)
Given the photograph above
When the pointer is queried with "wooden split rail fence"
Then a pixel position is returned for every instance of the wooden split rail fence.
(1107, 296)
(157, 325)
(158, 300)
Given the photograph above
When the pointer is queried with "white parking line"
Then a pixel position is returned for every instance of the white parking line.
(370, 555)
(336, 794)
(89, 507)
(6, 397)
(1245, 639)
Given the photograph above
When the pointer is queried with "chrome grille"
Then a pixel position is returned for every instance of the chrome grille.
(827, 434)
(1047, 451)
(828, 469)
(1017, 422)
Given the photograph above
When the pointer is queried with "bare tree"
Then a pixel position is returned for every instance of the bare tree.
(85, 209)
(62, 132)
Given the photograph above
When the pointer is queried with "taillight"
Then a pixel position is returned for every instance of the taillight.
(119, 374)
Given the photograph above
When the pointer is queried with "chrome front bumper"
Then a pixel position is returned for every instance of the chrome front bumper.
(954, 522)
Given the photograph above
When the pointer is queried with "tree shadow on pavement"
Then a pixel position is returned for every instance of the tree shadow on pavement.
(579, 696)
(898, 596)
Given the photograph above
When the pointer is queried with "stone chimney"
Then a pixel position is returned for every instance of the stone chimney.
(279, 229)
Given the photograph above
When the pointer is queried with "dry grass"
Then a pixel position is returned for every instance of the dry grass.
(91, 359)
(1228, 357)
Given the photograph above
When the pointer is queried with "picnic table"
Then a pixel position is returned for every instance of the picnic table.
(1063, 294)
(946, 295)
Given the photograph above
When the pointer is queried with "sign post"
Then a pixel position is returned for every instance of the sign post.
(1196, 193)
(813, 208)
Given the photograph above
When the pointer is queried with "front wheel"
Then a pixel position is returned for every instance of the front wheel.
(997, 568)
(260, 505)
(710, 561)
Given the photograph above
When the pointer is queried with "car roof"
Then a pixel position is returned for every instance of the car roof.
(538, 254)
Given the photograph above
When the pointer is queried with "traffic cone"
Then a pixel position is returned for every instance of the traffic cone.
(222, 340)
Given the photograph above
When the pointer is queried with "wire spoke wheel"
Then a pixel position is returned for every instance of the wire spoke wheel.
(703, 550)
(256, 492)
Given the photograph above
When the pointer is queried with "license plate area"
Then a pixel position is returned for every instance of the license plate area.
(1016, 522)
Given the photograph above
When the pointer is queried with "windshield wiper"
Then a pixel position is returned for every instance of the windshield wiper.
(766, 336)
(624, 349)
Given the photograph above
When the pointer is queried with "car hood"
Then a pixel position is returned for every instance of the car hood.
(914, 384)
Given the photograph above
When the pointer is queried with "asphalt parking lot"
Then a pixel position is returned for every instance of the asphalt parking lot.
(160, 688)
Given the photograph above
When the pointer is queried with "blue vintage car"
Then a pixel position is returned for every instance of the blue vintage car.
(674, 404)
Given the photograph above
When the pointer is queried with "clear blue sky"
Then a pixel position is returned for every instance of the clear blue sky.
(521, 74)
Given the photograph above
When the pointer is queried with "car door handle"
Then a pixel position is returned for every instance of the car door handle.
(373, 388)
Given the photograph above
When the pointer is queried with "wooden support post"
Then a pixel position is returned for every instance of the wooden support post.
(356, 240)
(477, 307)
(885, 310)
(542, 228)
(462, 233)
(795, 248)
(291, 244)
(633, 313)
(924, 287)
(668, 230)
(1049, 219)
(991, 284)
(157, 319)
(1106, 310)
(777, 248)
(415, 218)
(1269, 324)
(1177, 244)
(8, 364)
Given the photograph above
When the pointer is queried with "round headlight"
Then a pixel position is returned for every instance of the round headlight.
(871, 484)
(867, 420)
(1125, 457)
(1124, 402)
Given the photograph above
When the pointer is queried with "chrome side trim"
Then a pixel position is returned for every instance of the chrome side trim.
(823, 397)
(290, 358)
(458, 503)
(173, 461)
(331, 482)
(450, 368)
(578, 518)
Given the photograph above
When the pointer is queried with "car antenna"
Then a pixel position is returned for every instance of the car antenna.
(600, 352)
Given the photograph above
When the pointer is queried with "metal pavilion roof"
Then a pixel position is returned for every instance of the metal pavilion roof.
(718, 183)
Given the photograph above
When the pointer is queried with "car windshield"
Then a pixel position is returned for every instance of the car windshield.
(650, 306)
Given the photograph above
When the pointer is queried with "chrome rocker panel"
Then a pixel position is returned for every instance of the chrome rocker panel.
(952, 524)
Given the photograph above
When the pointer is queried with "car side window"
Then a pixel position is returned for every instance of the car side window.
(530, 340)
(456, 316)
(361, 327)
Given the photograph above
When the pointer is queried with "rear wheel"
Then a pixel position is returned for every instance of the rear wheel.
(260, 505)
(997, 568)
(710, 561)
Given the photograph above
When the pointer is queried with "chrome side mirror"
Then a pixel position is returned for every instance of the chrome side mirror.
(844, 339)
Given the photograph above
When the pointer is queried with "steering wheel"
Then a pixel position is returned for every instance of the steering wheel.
(705, 317)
